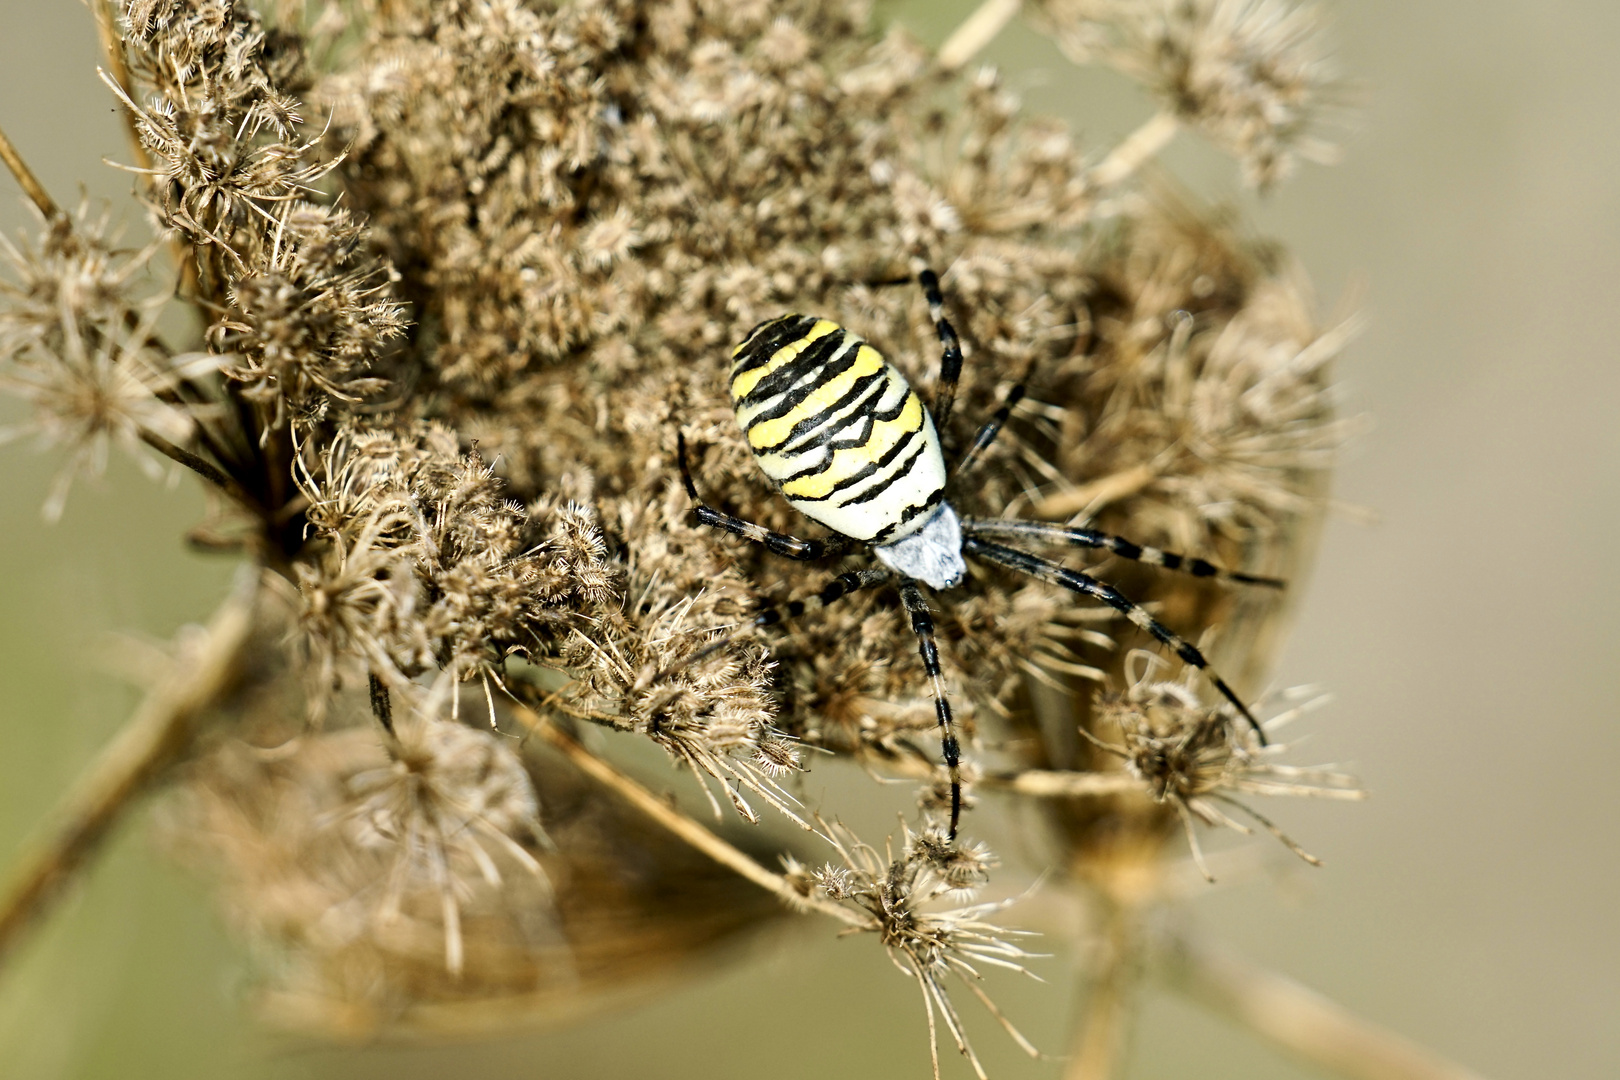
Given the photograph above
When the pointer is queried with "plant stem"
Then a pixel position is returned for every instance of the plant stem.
(202, 467)
(1134, 152)
(27, 180)
(1051, 784)
(1098, 493)
(660, 811)
(1105, 1014)
(158, 735)
(112, 51)
(977, 30)
(1301, 1020)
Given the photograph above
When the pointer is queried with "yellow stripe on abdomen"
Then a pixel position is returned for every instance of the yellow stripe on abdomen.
(747, 380)
(848, 462)
(868, 361)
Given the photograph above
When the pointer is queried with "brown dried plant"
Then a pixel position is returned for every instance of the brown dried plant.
(464, 269)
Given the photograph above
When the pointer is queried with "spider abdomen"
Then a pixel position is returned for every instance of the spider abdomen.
(838, 428)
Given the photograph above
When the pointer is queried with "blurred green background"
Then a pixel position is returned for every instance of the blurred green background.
(1471, 638)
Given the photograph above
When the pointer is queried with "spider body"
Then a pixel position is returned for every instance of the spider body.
(851, 445)
(848, 442)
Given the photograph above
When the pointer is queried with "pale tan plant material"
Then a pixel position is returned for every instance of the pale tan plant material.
(1251, 75)
(162, 732)
(466, 270)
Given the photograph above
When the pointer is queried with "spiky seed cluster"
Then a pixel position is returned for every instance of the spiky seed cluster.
(300, 308)
(1198, 758)
(925, 941)
(77, 345)
(585, 205)
(418, 562)
(1251, 75)
(408, 882)
(450, 804)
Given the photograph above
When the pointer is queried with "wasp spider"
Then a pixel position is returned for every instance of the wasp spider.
(852, 446)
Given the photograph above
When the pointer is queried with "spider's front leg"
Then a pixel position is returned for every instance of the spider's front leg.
(780, 543)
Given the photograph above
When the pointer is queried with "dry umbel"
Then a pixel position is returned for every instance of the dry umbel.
(466, 269)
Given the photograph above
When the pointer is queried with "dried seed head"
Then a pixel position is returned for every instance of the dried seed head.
(82, 351)
(1250, 74)
(1197, 757)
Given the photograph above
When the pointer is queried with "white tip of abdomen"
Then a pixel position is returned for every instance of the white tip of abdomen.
(932, 554)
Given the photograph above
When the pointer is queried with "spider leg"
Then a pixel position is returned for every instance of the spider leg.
(836, 589)
(1076, 536)
(780, 543)
(950, 365)
(1086, 585)
(992, 427)
(922, 623)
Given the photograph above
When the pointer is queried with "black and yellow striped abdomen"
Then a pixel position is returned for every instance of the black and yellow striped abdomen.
(839, 429)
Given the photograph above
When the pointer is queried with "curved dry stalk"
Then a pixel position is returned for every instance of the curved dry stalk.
(1089, 498)
(157, 736)
(678, 823)
(1299, 1019)
(27, 180)
(976, 31)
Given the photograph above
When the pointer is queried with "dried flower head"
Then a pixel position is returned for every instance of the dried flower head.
(1251, 75)
(926, 942)
(451, 802)
(83, 353)
(1198, 758)
(469, 269)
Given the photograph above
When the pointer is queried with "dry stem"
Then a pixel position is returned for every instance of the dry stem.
(977, 30)
(1134, 152)
(682, 826)
(26, 179)
(1044, 783)
(1100, 1036)
(1089, 498)
(201, 466)
(112, 50)
(1301, 1020)
(156, 737)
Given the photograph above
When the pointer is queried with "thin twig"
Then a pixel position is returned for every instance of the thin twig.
(27, 180)
(1134, 152)
(977, 30)
(682, 826)
(157, 736)
(1090, 497)
(1301, 1020)
(201, 466)
(112, 50)
(1051, 784)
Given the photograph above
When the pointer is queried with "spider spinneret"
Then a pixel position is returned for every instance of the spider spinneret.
(851, 445)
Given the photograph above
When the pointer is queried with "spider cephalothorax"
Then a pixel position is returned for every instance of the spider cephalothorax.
(850, 445)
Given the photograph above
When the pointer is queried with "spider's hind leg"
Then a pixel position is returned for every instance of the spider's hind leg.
(1086, 585)
(1076, 536)
(950, 364)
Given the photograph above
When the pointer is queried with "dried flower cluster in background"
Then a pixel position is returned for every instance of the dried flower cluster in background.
(465, 268)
